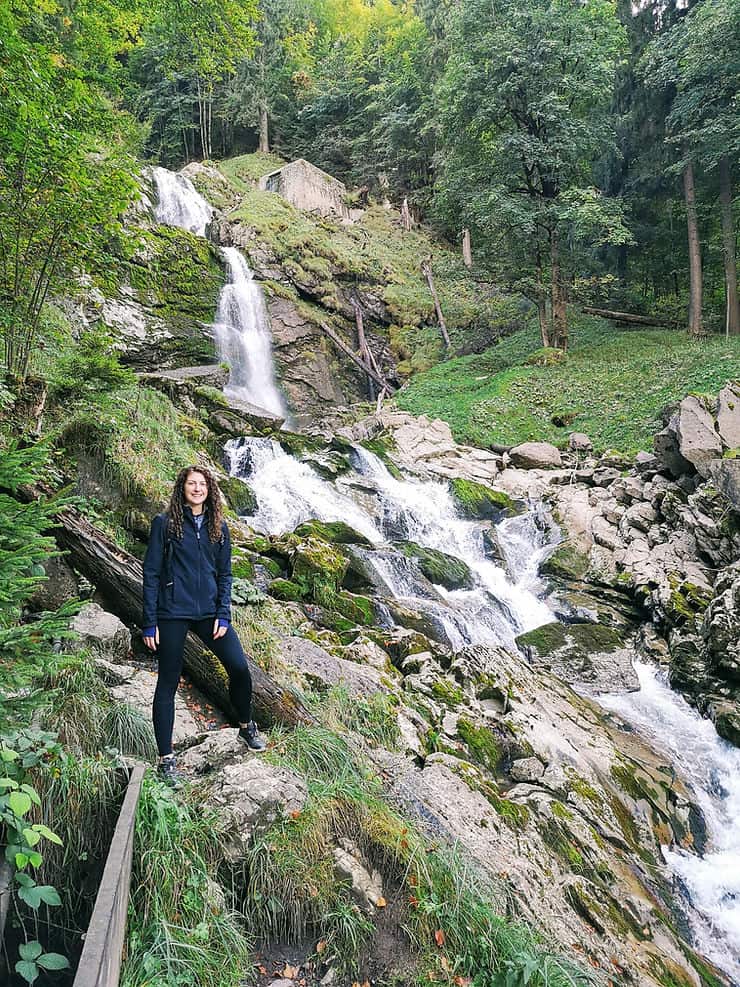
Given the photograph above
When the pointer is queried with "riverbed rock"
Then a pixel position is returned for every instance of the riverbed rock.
(589, 656)
(101, 631)
(535, 455)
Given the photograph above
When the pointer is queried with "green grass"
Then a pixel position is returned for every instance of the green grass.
(611, 385)
(375, 253)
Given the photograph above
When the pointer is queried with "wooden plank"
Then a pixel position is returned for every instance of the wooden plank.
(100, 962)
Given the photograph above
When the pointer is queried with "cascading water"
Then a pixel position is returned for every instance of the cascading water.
(711, 767)
(242, 326)
(179, 204)
(494, 611)
(243, 339)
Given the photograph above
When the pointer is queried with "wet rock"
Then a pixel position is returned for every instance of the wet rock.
(725, 715)
(478, 502)
(438, 567)
(535, 455)
(101, 631)
(720, 627)
(591, 656)
(336, 532)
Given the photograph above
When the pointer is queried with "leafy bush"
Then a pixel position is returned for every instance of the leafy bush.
(91, 367)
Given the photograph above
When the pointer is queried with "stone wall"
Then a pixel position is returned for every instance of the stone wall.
(308, 187)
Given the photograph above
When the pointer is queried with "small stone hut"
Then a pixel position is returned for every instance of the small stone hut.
(307, 187)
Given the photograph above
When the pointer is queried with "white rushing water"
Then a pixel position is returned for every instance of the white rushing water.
(179, 203)
(242, 327)
(244, 340)
(383, 508)
(711, 767)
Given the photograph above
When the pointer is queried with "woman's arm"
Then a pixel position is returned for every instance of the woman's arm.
(153, 562)
(223, 576)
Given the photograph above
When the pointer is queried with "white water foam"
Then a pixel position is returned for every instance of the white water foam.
(711, 768)
(244, 340)
(179, 203)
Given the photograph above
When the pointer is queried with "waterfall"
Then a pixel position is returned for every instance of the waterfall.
(243, 339)
(242, 326)
(382, 508)
(711, 767)
(179, 204)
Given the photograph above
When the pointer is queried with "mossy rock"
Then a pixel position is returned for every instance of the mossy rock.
(286, 589)
(551, 638)
(336, 532)
(447, 691)
(478, 502)
(355, 607)
(481, 744)
(318, 565)
(566, 562)
(240, 496)
(242, 566)
(686, 603)
(328, 463)
(439, 567)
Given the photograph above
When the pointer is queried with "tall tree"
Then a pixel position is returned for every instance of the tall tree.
(524, 109)
(698, 60)
(204, 40)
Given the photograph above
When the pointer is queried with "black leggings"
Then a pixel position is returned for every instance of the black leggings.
(228, 650)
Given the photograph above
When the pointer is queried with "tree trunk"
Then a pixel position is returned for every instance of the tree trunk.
(426, 266)
(542, 303)
(695, 327)
(118, 577)
(467, 251)
(340, 344)
(406, 215)
(364, 349)
(6, 876)
(264, 129)
(629, 318)
(559, 315)
(732, 318)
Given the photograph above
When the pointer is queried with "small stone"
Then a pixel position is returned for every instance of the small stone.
(605, 475)
(536, 455)
(529, 769)
(449, 724)
(102, 631)
(579, 442)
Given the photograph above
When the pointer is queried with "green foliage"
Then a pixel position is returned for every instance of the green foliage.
(65, 172)
(22, 839)
(612, 384)
(181, 929)
(374, 717)
(27, 647)
(91, 367)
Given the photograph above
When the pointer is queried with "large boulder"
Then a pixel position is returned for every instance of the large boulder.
(728, 415)
(592, 657)
(101, 631)
(725, 475)
(535, 455)
(698, 440)
(322, 670)
(250, 795)
(720, 627)
(59, 586)
(438, 567)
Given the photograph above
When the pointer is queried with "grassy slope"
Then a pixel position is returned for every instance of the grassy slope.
(377, 255)
(613, 383)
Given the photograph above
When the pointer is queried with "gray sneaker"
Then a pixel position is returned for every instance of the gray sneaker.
(250, 736)
(167, 772)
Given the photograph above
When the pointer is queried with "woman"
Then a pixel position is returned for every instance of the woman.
(187, 587)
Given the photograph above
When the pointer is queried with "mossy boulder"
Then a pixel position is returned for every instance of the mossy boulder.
(686, 603)
(355, 607)
(566, 562)
(336, 532)
(286, 589)
(318, 566)
(591, 656)
(478, 502)
(240, 496)
(481, 743)
(438, 567)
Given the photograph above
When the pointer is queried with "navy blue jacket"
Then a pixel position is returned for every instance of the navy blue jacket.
(187, 579)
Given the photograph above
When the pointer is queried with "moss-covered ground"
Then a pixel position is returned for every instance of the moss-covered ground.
(611, 385)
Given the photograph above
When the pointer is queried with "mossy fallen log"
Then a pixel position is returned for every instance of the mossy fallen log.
(118, 577)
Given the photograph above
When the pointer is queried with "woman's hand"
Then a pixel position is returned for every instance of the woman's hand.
(218, 630)
(152, 642)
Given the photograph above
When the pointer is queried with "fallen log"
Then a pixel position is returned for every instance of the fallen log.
(118, 577)
(340, 344)
(630, 319)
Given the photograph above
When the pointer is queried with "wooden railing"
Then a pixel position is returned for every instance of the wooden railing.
(100, 962)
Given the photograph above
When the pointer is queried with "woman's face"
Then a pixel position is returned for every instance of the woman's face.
(196, 491)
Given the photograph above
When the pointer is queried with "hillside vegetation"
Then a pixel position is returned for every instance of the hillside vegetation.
(612, 385)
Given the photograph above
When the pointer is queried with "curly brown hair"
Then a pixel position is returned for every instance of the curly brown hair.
(176, 509)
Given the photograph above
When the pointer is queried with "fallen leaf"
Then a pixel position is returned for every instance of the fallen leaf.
(439, 937)
(262, 970)
(413, 900)
(290, 972)
(295, 814)
(321, 946)
(459, 981)
(381, 902)
(412, 880)
(444, 963)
